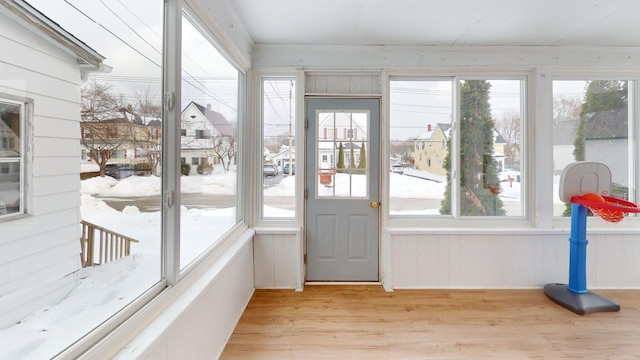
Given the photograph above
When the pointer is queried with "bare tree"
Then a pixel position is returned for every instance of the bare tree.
(566, 108)
(402, 149)
(508, 125)
(150, 112)
(100, 121)
(224, 147)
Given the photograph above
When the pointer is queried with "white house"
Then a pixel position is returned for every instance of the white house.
(42, 66)
(206, 137)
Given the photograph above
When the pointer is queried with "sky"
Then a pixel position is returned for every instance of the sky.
(129, 35)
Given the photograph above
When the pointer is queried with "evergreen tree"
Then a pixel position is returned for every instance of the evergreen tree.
(352, 160)
(363, 157)
(600, 95)
(479, 183)
(340, 165)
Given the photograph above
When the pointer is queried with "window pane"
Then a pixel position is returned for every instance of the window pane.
(210, 120)
(120, 117)
(421, 113)
(591, 123)
(11, 125)
(490, 138)
(278, 129)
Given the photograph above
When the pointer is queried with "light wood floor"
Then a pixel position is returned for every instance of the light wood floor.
(365, 322)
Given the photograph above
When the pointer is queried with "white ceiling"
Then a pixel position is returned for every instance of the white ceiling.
(442, 22)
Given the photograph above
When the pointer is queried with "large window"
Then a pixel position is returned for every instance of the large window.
(474, 169)
(210, 119)
(11, 158)
(279, 148)
(592, 121)
(120, 115)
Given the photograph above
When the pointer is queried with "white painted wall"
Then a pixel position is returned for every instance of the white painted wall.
(39, 252)
(493, 261)
(199, 321)
(278, 259)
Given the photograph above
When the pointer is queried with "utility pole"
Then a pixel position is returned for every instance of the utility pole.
(290, 125)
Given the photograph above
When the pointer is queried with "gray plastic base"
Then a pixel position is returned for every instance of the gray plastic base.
(579, 303)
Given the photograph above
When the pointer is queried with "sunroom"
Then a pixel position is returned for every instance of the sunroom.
(409, 145)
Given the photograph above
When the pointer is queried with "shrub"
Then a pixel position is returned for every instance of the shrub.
(185, 169)
(204, 168)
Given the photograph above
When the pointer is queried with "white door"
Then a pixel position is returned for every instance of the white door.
(342, 181)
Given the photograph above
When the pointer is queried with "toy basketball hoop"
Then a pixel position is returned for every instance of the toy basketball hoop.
(586, 185)
(612, 210)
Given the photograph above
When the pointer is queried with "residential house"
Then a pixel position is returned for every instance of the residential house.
(122, 138)
(430, 149)
(350, 131)
(606, 132)
(563, 144)
(207, 138)
(42, 66)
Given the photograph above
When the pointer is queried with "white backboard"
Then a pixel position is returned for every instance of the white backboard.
(584, 177)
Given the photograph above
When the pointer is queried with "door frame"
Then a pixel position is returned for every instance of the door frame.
(383, 179)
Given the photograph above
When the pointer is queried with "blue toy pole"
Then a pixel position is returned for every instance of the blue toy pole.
(578, 250)
(575, 296)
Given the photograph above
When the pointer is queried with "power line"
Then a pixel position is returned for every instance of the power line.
(113, 34)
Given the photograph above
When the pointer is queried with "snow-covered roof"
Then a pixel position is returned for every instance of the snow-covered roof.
(43, 26)
(216, 119)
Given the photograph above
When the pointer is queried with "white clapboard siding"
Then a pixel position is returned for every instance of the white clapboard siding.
(35, 53)
(278, 262)
(56, 184)
(55, 166)
(47, 204)
(338, 84)
(53, 127)
(41, 250)
(38, 242)
(509, 261)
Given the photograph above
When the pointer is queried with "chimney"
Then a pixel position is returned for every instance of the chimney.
(428, 127)
(208, 106)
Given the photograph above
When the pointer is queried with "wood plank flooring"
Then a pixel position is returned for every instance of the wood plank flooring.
(365, 322)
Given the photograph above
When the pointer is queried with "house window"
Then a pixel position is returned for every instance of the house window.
(12, 125)
(113, 133)
(86, 132)
(490, 116)
(593, 121)
(278, 143)
(203, 134)
(183, 132)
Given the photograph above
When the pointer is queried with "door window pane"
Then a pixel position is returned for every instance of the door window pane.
(591, 123)
(348, 175)
(279, 148)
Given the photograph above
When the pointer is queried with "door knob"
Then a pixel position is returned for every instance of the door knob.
(374, 204)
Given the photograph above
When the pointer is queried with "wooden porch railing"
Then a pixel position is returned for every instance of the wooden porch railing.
(109, 245)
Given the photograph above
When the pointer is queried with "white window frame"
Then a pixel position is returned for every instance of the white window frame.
(527, 219)
(21, 160)
(298, 135)
(631, 76)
